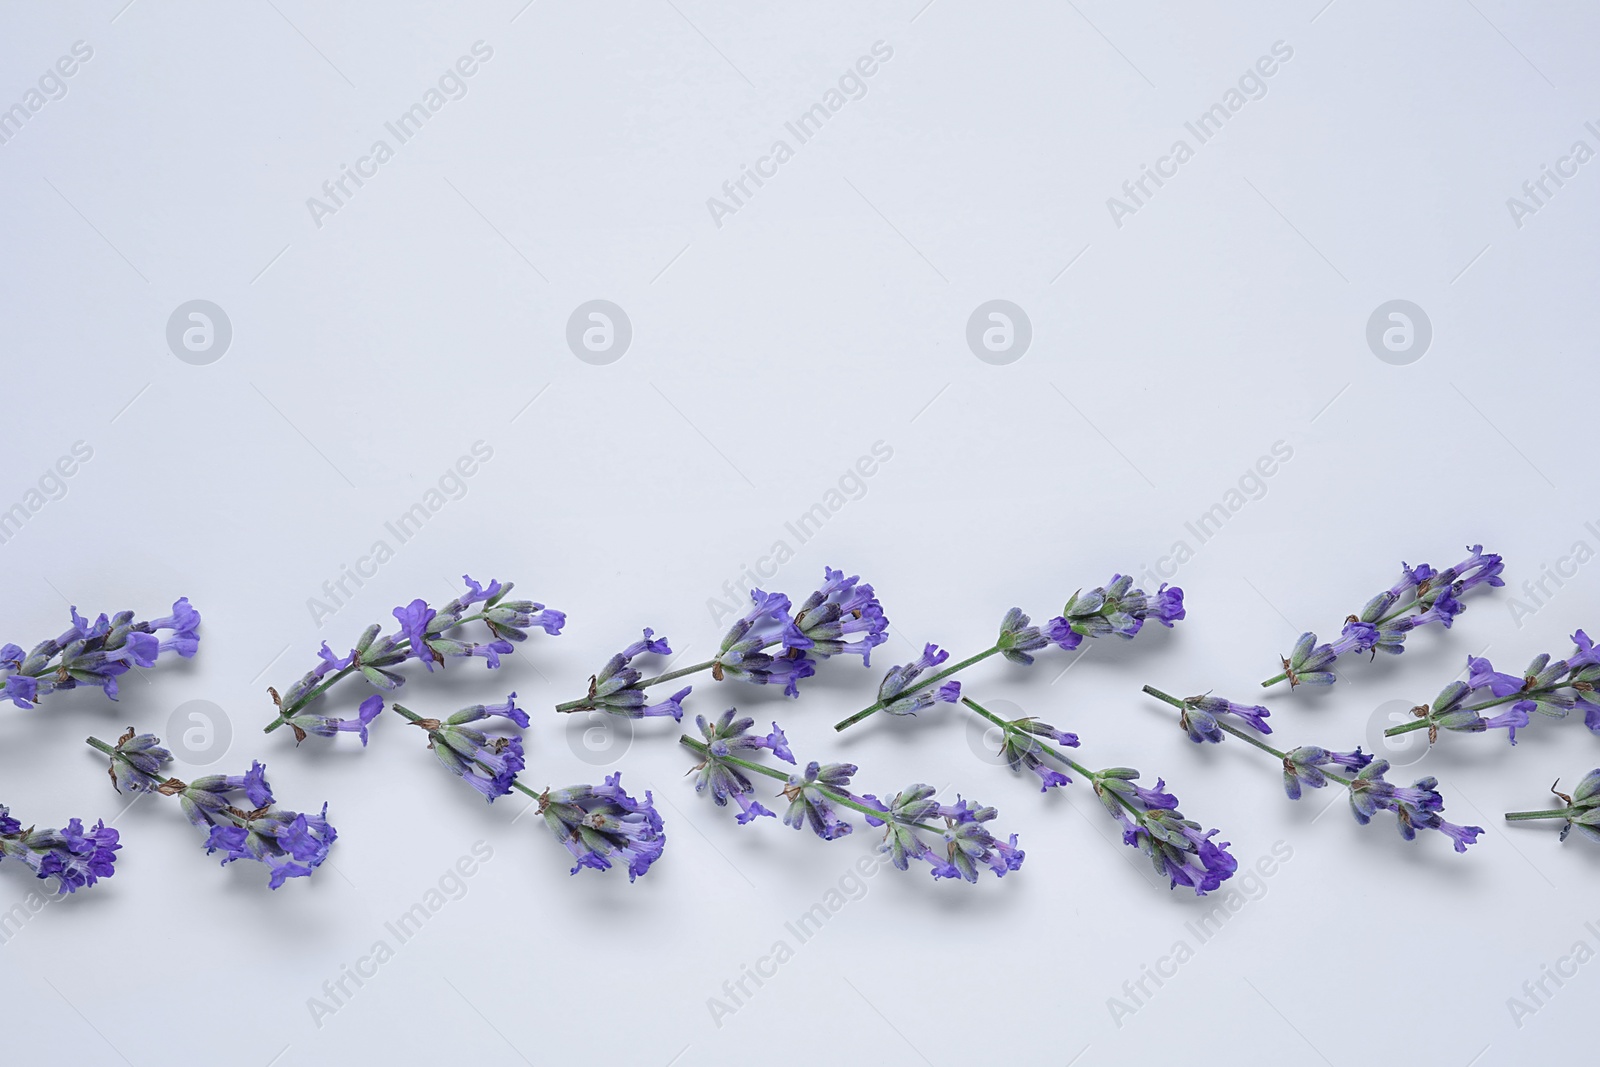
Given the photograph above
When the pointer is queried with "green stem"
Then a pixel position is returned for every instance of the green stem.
(1521, 694)
(1522, 816)
(1229, 728)
(402, 645)
(1275, 679)
(95, 742)
(877, 706)
(1033, 740)
(682, 672)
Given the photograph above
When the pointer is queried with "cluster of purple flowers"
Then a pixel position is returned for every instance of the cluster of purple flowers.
(1422, 596)
(290, 844)
(74, 855)
(1116, 608)
(1416, 807)
(596, 821)
(95, 653)
(769, 645)
(951, 838)
(616, 688)
(899, 692)
(488, 764)
(1550, 688)
(1150, 819)
(422, 634)
(1179, 848)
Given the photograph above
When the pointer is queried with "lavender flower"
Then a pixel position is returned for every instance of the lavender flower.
(1023, 745)
(488, 764)
(968, 844)
(842, 616)
(616, 688)
(952, 839)
(95, 653)
(290, 844)
(1115, 608)
(893, 692)
(1303, 766)
(726, 781)
(1581, 809)
(1416, 807)
(422, 634)
(1199, 717)
(1118, 609)
(593, 822)
(307, 722)
(743, 654)
(1422, 596)
(1548, 688)
(75, 856)
(1152, 823)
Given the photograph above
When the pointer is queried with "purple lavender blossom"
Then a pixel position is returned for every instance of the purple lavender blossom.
(593, 822)
(1151, 822)
(1303, 766)
(967, 843)
(422, 633)
(76, 857)
(311, 723)
(614, 688)
(892, 690)
(842, 616)
(1416, 807)
(1548, 688)
(810, 802)
(1420, 598)
(489, 764)
(742, 652)
(1115, 608)
(726, 781)
(288, 843)
(95, 653)
(1199, 717)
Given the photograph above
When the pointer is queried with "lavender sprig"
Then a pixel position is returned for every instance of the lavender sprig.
(592, 822)
(1151, 821)
(290, 844)
(1422, 596)
(422, 634)
(1416, 807)
(76, 857)
(1113, 609)
(1547, 688)
(957, 847)
(766, 646)
(1581, 809)
(95, 653)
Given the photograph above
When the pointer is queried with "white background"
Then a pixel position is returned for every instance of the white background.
(828, 313)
